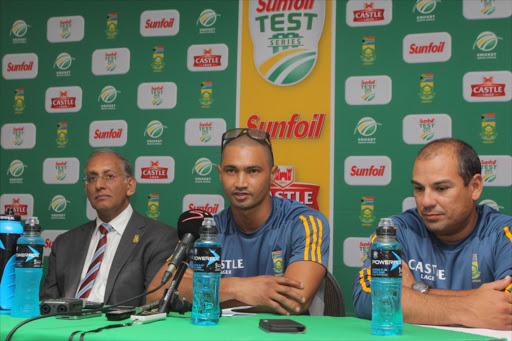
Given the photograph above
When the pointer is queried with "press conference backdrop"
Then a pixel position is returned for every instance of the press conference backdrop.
(349, 91)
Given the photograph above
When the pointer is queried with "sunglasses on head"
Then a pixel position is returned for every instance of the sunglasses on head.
(255, 134)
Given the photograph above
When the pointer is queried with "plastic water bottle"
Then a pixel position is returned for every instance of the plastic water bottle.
(10, 230)
(29, 269)
(206, 280)
(386, 286)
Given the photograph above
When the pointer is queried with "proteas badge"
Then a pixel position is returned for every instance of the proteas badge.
(285, 35)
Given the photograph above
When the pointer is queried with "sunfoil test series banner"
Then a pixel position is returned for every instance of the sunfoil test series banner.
(348, 90)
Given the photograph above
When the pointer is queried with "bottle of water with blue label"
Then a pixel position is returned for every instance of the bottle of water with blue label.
(207, 267)
(29, 269)
(386, 285)
(10, 230)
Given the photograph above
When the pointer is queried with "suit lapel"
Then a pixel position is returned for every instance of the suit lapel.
(74, 271)
(125, 248)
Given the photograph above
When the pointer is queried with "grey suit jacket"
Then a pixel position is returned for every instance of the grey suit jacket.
(136, 262)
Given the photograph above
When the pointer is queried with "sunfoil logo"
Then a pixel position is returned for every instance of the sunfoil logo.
(19, 28)
(58, 203)
(108, 94)
(203, 166)
(486, 41)
(155, 129)
(63, 61)
(366, 126)
(285, 35)
(425, 6)
(16, 168)
(207, 18)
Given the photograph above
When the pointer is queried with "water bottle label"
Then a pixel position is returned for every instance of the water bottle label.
(386, 263)
(8, 241)
(207, 259)
(29, 256)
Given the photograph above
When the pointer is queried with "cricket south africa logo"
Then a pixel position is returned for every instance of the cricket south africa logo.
(108, 96)
(154, 130)
(58, 205)
(285, 35)
(425, 9)
(63, 63)
(202, 169)
(16, 169)
(207, 20)
(486, 42)
(366, 127)
(19, 29)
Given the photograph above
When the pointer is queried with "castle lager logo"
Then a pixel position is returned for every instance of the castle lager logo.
(19, 29)
(157, 95)
(211, 203)
(153, 211)
(488, 134)
(58, 204)
(493, 204)
(22, 204)
(207, 19)
(210, 57)
(20, 66)
(108, 96)
(204, 131)
(62, 134)
(284, 186)
(426, 9)
(292, 128)
(427, 93)
(202, 168)
(427, 47)
(367, 216)
(496, 170)
(63, 63)
(367, 170)
(19, 101)
(18, 136)
(486, 9)
(421, 129)
(61, 170)
(16, 169)
(111, 61)
(65, 29)
(285, 35)
(206, 98)
(368, 90)
(111, 30)
(158, 63)
(159, 23)
(111, 133)
(154, 169)
(63, 99)
(369, 13)
(368, 46)
(487, 86)
(366, 127)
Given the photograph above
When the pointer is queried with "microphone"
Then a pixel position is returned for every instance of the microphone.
(189, 224)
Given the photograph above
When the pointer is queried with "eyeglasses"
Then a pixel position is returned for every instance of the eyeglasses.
(109, 177)
(253, 133)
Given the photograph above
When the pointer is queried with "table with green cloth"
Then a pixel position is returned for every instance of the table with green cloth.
(178, 327)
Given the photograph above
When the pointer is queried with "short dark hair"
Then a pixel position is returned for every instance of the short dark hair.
(125, 164)
(467, 157)
(244, 141)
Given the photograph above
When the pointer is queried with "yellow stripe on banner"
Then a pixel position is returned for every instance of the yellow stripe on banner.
(507, 232)
(315, 238)
(269, 63)
(308, 239)
(362, 280)
(319, 248)
(373, 238)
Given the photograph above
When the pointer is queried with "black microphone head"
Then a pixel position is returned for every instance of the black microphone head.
(190, 222)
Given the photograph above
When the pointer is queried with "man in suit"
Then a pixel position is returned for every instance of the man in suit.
(116, 256)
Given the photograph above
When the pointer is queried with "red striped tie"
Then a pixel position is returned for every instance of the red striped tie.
(92, 271)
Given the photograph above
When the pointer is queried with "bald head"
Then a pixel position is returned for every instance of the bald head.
(246, 141)
(467, 158)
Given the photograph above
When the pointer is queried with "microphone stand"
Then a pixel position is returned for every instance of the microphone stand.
(169, 295)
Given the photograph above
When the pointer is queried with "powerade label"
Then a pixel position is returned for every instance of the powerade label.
(207, 259)
(386, 263)
(29, 256)
(7, 248)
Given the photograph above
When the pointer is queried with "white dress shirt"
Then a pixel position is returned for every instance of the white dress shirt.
(113, 237)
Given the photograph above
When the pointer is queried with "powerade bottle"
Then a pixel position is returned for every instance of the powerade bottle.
(206, 280)
(10, 230)
(29, 269)
(386, 286)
